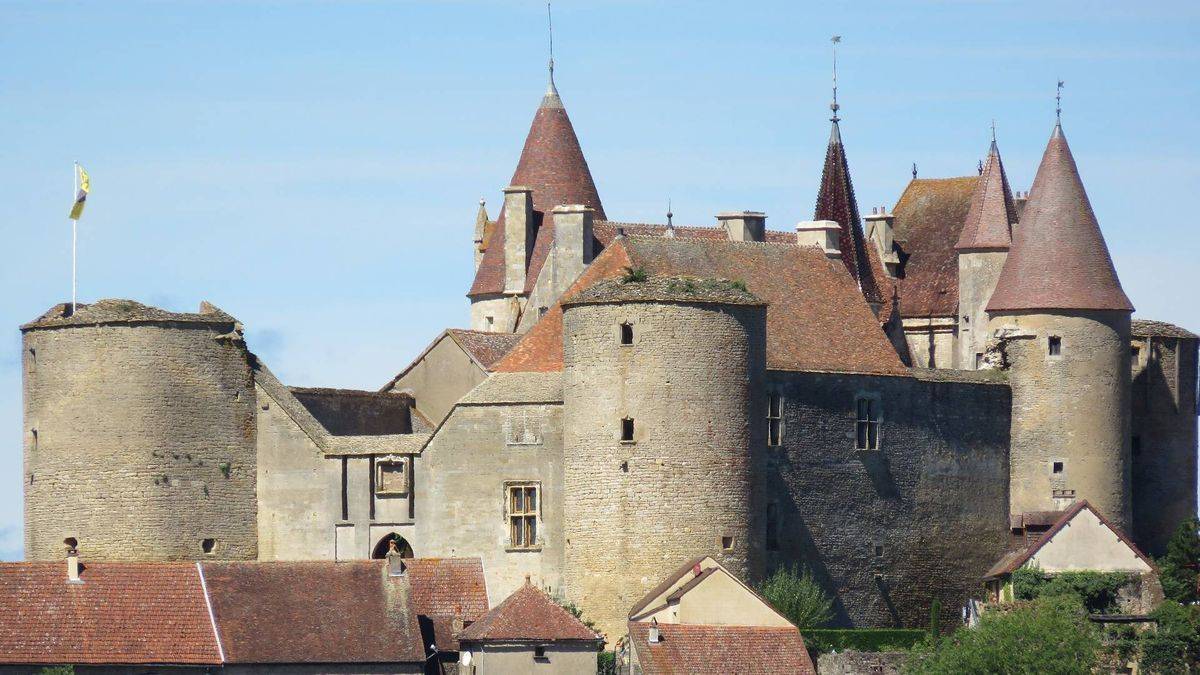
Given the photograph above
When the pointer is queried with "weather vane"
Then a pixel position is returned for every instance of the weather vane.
(836, 39)
(550, 26)
(1058, 101)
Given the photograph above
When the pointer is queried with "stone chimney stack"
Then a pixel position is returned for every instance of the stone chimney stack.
(881, 230)
(823, 234)
(744, 225)
(518, 236)
(73, 564)
(573, 240)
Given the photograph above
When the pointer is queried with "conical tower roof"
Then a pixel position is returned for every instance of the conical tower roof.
(1058, 259)
(836, 202)
(989, 220)
(552, 164)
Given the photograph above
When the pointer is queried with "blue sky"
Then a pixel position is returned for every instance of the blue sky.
(314, 167)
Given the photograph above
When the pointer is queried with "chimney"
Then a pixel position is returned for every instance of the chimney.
(572, 245)
(1019, 203)
(744, 225)
(72, 563)
(395, 562)
(823, 234)
(881, 230)
(518, 236)
(655, 637)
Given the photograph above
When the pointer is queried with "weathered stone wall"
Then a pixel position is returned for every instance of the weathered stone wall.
(502, 309)
(1164, 439)
(357, 413)
(931, 341)
(440, 378)
(862, 663)
(1073, 408)
(692, 381)
(144, 444)
(978, 272)
(887, 531)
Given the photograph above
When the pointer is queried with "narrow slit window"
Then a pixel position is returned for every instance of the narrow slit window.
(345, 488)
(626, 333)
(1055, 345)
(522, 505)
(867, 428)
(627, 430)
(774, 420)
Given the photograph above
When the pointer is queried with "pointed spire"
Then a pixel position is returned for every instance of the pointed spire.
(670, 231)
(988, 225)
(1058, 259)
(551, 98)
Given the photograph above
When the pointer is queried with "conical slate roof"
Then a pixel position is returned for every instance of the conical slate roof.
(1058, 259)
(989, 220)
(552, 164)
(836, 202)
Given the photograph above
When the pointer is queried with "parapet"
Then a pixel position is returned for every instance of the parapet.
(118, 311)
(1148, 328)
(675, 289)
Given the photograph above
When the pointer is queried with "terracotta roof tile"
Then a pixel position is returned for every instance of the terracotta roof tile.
(929, 220)
(485, 348)
(122, 613)
(445, 589)
(1058, 259)
(989, 221)
(687, 649)
(665, 289)
(528, 615)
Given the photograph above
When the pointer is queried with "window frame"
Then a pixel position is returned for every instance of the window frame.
(530, 518)
(391, 461)
(1054, 346)
(625, 330)
(628, 424)
(868, 423)
(774, 419)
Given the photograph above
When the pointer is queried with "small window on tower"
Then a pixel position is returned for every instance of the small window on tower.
(208, 545)
(542, 311)
(774, 419)
(627, 430)
(878, 550)
(627, 333)
(1055, 345)
(867, 427)
(1057, 467)
(726, 543)
(491, 322)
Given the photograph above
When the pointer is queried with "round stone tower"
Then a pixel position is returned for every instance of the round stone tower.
(139, 434)
(663, 381)
(1063, 324)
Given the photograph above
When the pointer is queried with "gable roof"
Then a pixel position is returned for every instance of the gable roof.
(1058, 259)
(929, 218)
(721, 650)
(553, 165)
(816, 319)
(444, 589)
(1013, 560)
(528, 615)
(122, 613)
(989, 221)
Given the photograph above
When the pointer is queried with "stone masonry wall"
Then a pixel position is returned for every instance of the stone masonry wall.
(888, 530)
(978, 272)
(144, 444)
(634, 511)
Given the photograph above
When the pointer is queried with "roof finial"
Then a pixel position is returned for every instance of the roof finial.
(669, 214)
(1058, 103)
(980, 167)
(993, 130)
(550, 26)
(834, 106)
(914, 170)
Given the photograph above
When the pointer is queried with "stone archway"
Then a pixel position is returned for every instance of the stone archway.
(402, 545)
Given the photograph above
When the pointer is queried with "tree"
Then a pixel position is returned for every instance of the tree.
(798, 596)
(1050, 635)
(1175, 646)
(57, 670)
(1179, 568)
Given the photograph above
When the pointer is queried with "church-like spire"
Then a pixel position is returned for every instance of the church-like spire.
(1058, 259)
(991, 215)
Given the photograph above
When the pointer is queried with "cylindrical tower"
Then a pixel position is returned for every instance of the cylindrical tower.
(139, 434)
(663, 381)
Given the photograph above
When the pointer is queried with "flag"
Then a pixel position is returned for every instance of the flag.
(85, 186)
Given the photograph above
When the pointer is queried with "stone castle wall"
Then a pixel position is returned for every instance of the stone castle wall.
(634, 511)
(978, 272)
(139, 442)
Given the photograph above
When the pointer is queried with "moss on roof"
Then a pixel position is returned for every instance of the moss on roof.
(634, 288)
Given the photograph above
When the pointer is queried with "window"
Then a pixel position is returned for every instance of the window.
(371, 490)
(522, 515)
(208, 545)
(539, 653)
(491, 321)
(878, 550)
(522, 428)
(1056, 467)
(1055, 345)
(542, 311)
(627, 430)
(391, 477)
(774, 419)
(626, 333)
(867, 436)
(345, 488)
(978, 360)
(773, 526)
(726, 543)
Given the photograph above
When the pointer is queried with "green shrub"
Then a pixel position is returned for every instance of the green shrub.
(633, 275)
(821, 640)
(1182, 563)
(1097, 591)
(606, 663)
(57, 670)
(1175, 646)
(795, 593)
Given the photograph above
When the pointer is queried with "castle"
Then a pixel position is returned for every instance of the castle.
(889, 399)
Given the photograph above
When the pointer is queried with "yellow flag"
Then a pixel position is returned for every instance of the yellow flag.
(85, 186)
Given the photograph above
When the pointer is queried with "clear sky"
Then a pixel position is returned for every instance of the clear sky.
(314, 168)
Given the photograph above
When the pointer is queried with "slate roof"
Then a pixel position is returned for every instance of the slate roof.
(1149, 328)
(528, 615)
(665, 289)
(687, 649)
(110, 311)
(929, 219)
(122, 613)
(484, 348)
(553, 165)
(353, 412)
(989, 221)
(445, 589)
(816, 318)
(1058, 259)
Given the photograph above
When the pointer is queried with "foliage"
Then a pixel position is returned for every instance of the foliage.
(575, 612)
(1050, 635)
(798, 596)
(935, 619)
(1179, 568)
(1097, 591)
(606, 663)
(1175, 646)
(57, 670)
(633, 275)
(821, 640)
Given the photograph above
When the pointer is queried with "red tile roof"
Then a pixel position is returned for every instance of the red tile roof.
(122, 613)
(552, 164)
(483, 347)
(1058, 259)
(816, 319)
(314, 612)
(528, 615)
(929, 219)
(721, 650)
(989, 221)
(445, 589)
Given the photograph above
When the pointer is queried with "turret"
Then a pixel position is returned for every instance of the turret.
(1062, 324)
(663, 383)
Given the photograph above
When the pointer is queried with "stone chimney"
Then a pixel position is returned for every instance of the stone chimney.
(518, 236)
(395, 562)
(823, 234)
(744, 225)
(572, 245)
(881, 230)
(73, 563)
(654, 636)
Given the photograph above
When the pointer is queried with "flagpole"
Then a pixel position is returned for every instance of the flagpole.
(74, 231)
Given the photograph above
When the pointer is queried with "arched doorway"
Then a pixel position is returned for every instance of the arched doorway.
(402, 545)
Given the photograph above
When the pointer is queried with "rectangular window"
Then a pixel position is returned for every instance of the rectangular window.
(626, 333)
(978, 360)
(391, 477)
(345, 488)
(627, 430)
(539, 653)
(522, 506)
(1055, 345)
(774, 419)
(869, 420)
(522, 428)
(1056, 467)
(773, 526)
(371, 491)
